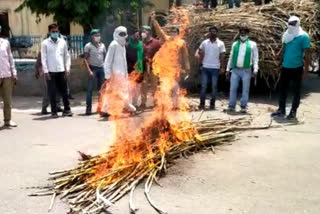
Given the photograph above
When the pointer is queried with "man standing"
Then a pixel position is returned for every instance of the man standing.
(212, 51)
(94, 56)
(244, 55)
(116, 95)
(56, 62)
(151, 46)
(43, 82)
(214, 4)
(8, 78)
(295, 64)
(237, 2)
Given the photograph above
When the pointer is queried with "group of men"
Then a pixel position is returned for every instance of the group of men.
(110, 68)
(243, 64)
(214, 3)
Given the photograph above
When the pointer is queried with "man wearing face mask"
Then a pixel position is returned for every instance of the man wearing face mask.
(212, 51)
(56, 63)
(8, 78)
(94, 56)
(295, 65)
(244, 55)
(116, 95)
(151, 46)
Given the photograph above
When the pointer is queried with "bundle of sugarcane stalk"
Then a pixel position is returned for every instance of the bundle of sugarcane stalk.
(267, 24)
(94, 186)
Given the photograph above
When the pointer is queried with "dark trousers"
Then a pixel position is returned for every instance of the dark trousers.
(288, 75)
(214, 3)
(58, 82)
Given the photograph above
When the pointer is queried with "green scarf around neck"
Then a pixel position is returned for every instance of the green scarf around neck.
(247, 58)
(139, 48)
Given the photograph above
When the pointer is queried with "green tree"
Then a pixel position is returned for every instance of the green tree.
(83, 12)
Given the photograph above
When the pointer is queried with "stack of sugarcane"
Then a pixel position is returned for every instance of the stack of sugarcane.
(94, 185)
(267, 24)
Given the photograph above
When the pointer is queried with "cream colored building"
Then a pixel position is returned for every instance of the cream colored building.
(25, 23)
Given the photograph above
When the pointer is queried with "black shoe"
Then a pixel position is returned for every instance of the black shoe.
(202, 107)
(59, 109)
(104, 115)
(243, 110)
(278, 113)
(212, 107)
(54, 115)
(44, 111)
(292, 116)
(88, 112)
(229, 110)
(67, 114)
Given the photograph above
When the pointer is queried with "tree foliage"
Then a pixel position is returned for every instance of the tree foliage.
(83, 12)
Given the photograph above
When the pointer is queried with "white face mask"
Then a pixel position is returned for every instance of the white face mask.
(291, 29)
(122, 40)
(243, 38)
(144, 35)
(97, 39)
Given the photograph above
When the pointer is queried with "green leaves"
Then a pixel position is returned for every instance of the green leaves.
(83, 12)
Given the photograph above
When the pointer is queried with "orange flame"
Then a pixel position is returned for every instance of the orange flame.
(137, 141)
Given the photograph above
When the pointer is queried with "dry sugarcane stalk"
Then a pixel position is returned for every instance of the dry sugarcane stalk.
(267, 24)
(81, 193)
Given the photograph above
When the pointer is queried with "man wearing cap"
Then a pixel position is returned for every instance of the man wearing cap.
(295, 64)
(8, 78)
(151, 46)
(244, 55)
(94, 56)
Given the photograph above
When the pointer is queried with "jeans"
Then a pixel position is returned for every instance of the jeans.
(237, 2)
(287, 75)
(213, 75)
(58, 82)
(214, 3)
(236, 76)
(6, 89)
(98, 76)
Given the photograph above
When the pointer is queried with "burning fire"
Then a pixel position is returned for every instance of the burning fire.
(140, 142)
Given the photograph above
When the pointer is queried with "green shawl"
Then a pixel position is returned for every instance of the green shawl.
(139, 48)
(235, 54)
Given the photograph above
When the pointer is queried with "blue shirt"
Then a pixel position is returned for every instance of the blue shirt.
(293, 56)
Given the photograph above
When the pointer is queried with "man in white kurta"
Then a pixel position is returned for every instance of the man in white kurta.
(116, 95)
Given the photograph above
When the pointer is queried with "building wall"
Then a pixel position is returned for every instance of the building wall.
(25, 23)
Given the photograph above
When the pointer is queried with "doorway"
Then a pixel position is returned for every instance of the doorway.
(4, 22)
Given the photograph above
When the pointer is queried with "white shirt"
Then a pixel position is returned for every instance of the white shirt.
(116, 61)
(212, 51)
(254, 60)
(7, 66)
(55, 56)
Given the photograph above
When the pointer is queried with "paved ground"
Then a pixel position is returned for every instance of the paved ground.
(273, 171)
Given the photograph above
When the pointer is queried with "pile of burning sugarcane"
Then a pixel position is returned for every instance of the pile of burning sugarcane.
(143, 151)
(267, 24)
(100, 181)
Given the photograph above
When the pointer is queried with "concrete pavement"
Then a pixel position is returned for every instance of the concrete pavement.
(274, 171)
